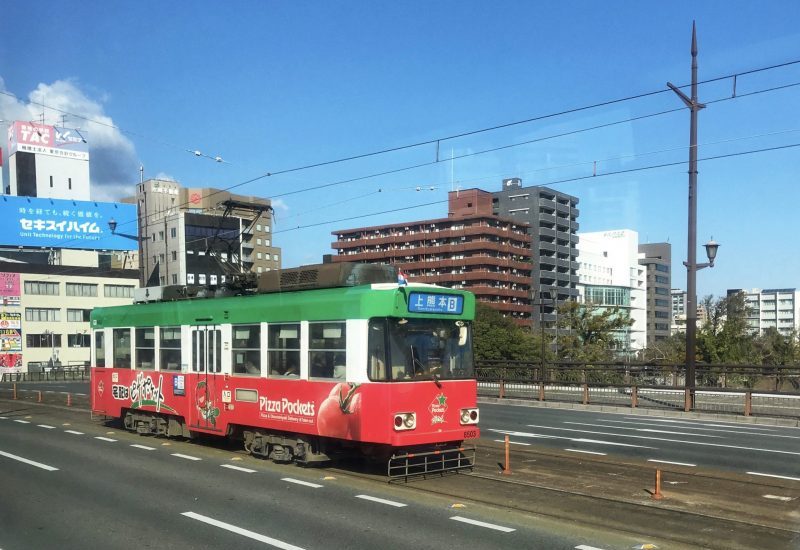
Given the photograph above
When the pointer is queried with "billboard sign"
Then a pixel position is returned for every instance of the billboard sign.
(9, 289)
(54, 223)
(42, 139)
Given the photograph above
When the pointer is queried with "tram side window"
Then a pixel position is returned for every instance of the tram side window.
(170, 348)
(145, 348)
(99, 349)
(327, 343)
(122, 348)
(377, 349)
(284, 349)
(246, 349)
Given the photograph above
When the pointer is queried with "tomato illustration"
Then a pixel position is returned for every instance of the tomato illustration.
(205, 406)
(334, 416)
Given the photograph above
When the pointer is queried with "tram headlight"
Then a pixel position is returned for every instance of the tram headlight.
(405, 421)
(469, 416)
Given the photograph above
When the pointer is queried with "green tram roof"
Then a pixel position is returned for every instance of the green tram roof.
(357, 302)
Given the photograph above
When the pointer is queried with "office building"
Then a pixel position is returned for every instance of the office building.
(610, 276)
(552, 219)
(772, 308)
(470, 249)
(201, 236)
(657, 259)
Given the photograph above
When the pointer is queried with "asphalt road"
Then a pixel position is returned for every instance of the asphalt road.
(68, 482)
(751, 449)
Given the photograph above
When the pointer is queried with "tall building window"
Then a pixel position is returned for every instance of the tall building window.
(118, 291)
(81, 289)
(41, 288)
(42, 314)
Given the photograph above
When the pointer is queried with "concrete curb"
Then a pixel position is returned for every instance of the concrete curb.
(767, 421)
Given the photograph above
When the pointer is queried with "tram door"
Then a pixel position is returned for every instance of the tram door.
(207, 364)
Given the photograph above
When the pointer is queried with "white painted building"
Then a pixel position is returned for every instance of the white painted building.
(777, 308)
(610, 275)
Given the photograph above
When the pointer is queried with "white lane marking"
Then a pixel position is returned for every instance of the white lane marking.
(45, 426)
(145, 447)
(584, 547)
(669, 462)
(29, 462)
(238, 468)
(642, 429)
(101, 438)
(586, 452)
(483, 524)
(774, 475)
(712, 429)
(73, 432)
(244, 532)
(300, 482)
(776, 497)
(22, 421)
(716, 424)
(572, 439)
(3, 418)
(703, 443)
(601, 442)
(187, 457)
(382, 501)
(512, 442)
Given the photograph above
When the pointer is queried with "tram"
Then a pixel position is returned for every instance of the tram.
(313, 363)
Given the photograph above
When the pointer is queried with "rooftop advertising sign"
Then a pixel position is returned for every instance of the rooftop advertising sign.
(30, 137)
(53, 223)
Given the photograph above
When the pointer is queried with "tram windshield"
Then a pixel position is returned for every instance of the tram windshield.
(419, 349)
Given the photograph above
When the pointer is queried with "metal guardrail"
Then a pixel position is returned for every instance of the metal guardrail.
(733, 389)
(62, 373)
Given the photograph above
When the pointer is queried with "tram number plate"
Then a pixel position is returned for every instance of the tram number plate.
(470, 434)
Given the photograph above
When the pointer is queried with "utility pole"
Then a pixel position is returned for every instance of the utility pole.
(691, 262)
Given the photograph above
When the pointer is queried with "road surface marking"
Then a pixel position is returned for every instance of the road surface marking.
(573, 439)
(244, 532)
(774, 475)
(483, 524)
(587, 452)
(703, 443)
(584, 547)
(512, 442)
(3, 418)
(776, 497)
(650, 430)
(668, 462)
(22, 421)
(73, 432)
(715, 424)
(713, 428)
(30, 462)
(382, 501)
(101, 438)
(45, 426)
(300, 482)
(601, 442)
(145, 447)
(187, 457)
(238, 468)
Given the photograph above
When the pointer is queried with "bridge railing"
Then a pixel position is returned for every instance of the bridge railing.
(735, 389)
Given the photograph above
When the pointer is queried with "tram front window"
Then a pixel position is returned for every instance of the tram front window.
(420, 349)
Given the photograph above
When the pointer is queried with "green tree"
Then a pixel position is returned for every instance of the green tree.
(726, 336)
(590, 333)
(499, 338)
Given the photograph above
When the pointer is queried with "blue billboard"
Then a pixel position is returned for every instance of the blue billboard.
(54, 223)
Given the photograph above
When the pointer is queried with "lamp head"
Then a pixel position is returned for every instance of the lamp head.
(711, 250)
(112, 225)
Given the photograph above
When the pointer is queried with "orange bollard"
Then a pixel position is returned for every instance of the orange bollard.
(69, 400)
(39, 400)
(15, 391)
(507, 467)
(656, 495)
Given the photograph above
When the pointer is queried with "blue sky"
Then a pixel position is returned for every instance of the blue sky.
(273, 86)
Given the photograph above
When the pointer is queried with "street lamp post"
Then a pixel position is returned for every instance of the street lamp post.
(691, 264)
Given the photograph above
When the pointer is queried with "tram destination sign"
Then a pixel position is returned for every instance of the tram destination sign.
(426, 302)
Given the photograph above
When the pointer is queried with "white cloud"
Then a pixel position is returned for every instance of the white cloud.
(113, 162)
(278, 203)
(165, 177)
